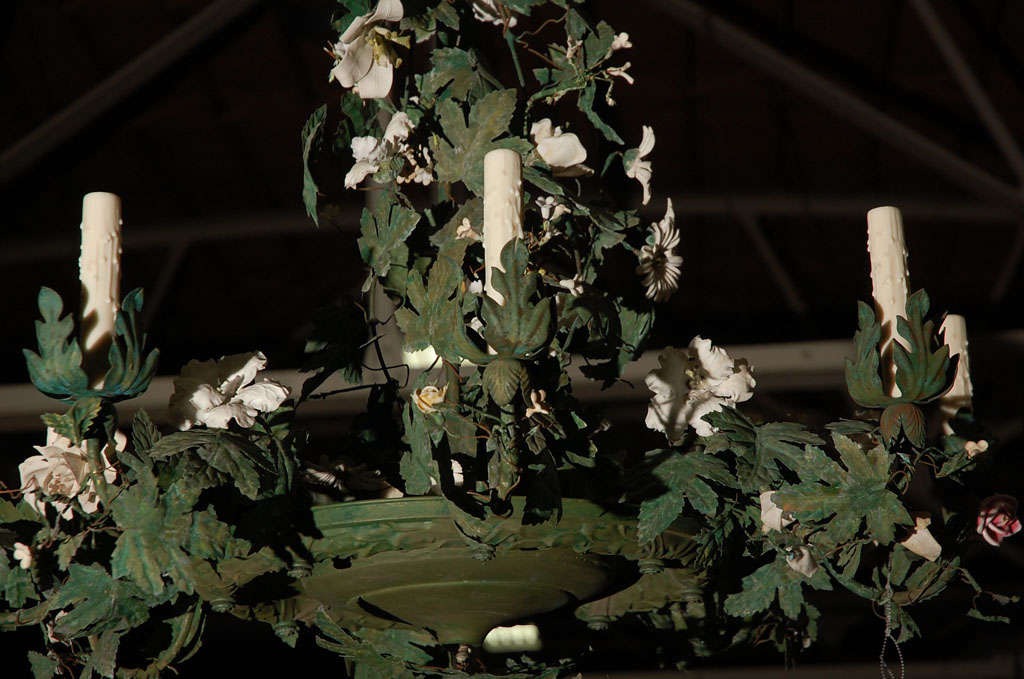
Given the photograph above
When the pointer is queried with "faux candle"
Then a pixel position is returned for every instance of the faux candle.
(954, 330)
(889, 286)
(503, 210)
(100, 273)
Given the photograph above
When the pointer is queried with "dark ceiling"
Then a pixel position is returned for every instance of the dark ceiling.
(206, 158)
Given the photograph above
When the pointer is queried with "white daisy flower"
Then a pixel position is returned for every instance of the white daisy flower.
(659, 263)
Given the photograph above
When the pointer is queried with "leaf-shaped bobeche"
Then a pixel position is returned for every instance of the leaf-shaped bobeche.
(924, 370)
(57, 369)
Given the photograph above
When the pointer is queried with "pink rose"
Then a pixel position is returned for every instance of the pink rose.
(997, 519)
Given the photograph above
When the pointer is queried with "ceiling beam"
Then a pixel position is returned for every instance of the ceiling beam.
(976, 94)
(67, 123)
(842, 102)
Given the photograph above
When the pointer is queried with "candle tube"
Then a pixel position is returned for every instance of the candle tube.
(954, 330)
(888, 251)
(503, 210)
(100, 273)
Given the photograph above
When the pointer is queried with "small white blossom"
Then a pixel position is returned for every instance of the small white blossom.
(23, 555)
(636, 166)
(562, 151)
(465, 231)
(61, 470)
(621, 72)
(370, 153)
(574, 285)
(975, 448)
(802, 561)
(772, 516)
(365, 62)
(427, 398)
(213, 393)
(551, 208)
(537, 407)
(692, 382)
(659, 263)
(621, 42)
(921, 541)
(488, 12)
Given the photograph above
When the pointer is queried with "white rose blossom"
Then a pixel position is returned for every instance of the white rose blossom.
(428, 398)
(62, 470)
(365, 62)
(659, 263)
(636, 166)
(562, 151)
(213, 393)
(692, 382)
(23, 555)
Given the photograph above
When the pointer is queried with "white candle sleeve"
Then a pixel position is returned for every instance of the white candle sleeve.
(100, 273)
(503, 210)
(954, 331)
(889, 280)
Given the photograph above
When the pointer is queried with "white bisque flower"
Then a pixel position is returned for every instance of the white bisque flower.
(562, 151)
(574, 285)
(621, 72)
(61, 470)
(772, 516)
(636, 166)
(693, 382)
(23, 555)
(921, 541)
(213, 393)
(620, 42)
(659, 264)
(488, 12)
(537, 404)
(428, 398)
(370, 153)
(365, 61)
(802, 561)
(465, 231)
(551, 208)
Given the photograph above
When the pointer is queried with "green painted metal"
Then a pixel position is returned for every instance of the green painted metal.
(408, 563)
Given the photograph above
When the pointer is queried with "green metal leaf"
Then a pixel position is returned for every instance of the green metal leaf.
(75, 424)
(771, 582)
(383, 232)
(517, 328)
(417, 465)
(849, 496)
(150, 546)
(862, 380)
(683, 476)
(311, 138)
(926, 371)
(459, 155)
(503, 378)
(56, 370)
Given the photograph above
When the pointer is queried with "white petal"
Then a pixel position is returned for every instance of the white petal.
(356, 64)
(387, 10)
(714, 360)
(646, 142)
(771, 514)
(398, 128)
(541, 130)
(376, 83)
(366, 148)
(701, 406)
(739, 386)
(265, 396)
(219, 417)
(670, 378)
(801, 560)
(237, 370)
(562, 151)
(358, 173)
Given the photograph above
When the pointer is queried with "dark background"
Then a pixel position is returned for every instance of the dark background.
(770, 185)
